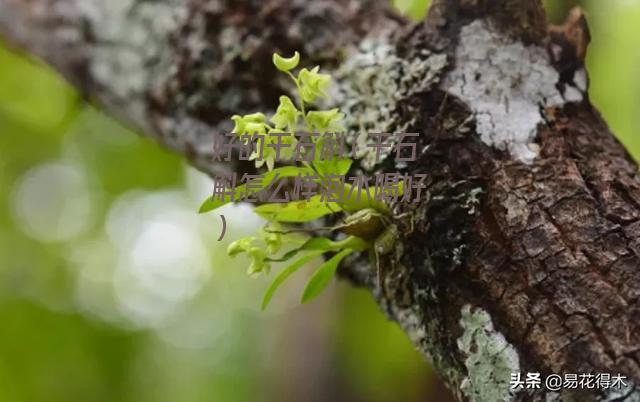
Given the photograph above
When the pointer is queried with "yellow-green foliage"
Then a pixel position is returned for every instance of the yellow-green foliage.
(414, 9)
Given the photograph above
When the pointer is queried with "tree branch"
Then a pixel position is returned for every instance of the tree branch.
(178, 69)
(523, 255)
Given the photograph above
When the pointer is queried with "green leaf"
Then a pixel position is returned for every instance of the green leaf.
(414, 9)
(297, 211)
(355, 243)
(322, 277)
(341, 166)
(336, 166)
(324, 244)
(211, 204)
(286, 64)
(285, 274)
(352, 204)
(321, 243)
(315, 243)
(401, 188)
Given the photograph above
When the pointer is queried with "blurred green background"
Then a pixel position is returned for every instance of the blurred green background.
(112, 288)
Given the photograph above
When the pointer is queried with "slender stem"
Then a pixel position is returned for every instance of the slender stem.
(297, 82)
(297, 230)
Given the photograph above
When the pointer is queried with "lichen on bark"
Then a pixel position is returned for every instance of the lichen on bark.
(490, 358)
(506, 84)
(373, 84)
(549, 250)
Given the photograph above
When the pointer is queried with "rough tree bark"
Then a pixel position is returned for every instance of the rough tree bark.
(524, 256)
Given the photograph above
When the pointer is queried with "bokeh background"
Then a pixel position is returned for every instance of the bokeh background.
(112, 288)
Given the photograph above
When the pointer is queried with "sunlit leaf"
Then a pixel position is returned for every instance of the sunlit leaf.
(414, 9)
(285, 274)
(367, 200)
(297, 211)
(322, 277)
(335, 166)
(324, 244)
(211, 204)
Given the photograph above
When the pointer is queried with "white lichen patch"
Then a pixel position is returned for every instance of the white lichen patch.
(411, 323)
(581, 80)
(490, 358)
(506, 84)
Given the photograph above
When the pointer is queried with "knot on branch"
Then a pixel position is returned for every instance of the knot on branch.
(570, 40)
(525, 20)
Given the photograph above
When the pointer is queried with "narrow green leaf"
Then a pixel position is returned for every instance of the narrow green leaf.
(322, 277)
(336, 166)
(211, 204)
(324, 244)
(353, 204)
(297, 211)
(285, 274)
(288, 255)
(414, 9)
(315, 243)
(355, 243)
